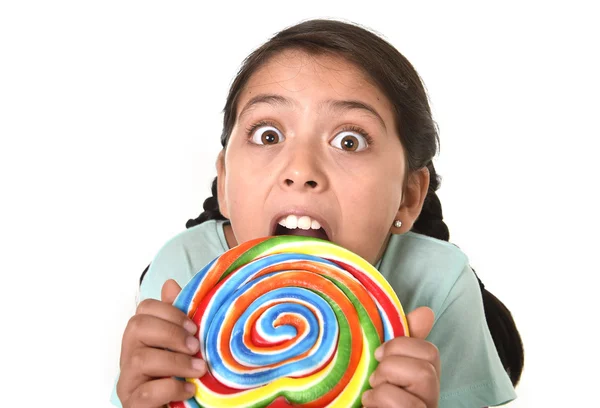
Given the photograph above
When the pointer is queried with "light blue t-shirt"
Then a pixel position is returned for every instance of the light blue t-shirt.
(423, 271)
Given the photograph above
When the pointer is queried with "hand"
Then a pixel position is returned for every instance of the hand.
(147, 367)
(408, 374)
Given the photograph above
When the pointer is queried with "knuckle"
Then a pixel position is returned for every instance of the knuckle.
(144, 306)
(427, 373)
(149, 394)
(417, 403)
(396, 345)
(420, 404)
(381, 394)
(135, 324)
(120, 390)
(143, 394)
(137, 360)
(433, 353)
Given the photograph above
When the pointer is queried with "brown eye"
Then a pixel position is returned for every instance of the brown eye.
(350, 141)
(267, 135)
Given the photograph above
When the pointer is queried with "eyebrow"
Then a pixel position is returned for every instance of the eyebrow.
(333, 104)
(345, 106)
(271, 99)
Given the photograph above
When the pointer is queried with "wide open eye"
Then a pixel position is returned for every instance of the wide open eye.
(350, 141)
(266, 135)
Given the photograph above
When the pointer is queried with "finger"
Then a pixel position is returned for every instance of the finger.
(148, 363)
(420, 322)
(152, 362)
(151, 331)
(410, 347)
(169, 291)
(390, 396)
(157, 393)
(418, 377)
(167, 312)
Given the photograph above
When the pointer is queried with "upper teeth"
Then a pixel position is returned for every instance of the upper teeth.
(304, 222)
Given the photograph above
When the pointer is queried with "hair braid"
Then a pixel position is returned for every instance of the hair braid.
(430, 222)
(499, 319)
(211, 209)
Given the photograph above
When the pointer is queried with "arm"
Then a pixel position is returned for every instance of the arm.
(472, 374)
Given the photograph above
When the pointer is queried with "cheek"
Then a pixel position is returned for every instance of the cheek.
(237, 193)
(245, 193)
(376, 192)
(239, 175)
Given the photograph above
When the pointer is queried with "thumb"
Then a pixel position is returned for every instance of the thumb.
(420, 322)
(169, 291)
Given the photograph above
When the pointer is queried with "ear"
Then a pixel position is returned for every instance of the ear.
(415, 192)
(221, 197)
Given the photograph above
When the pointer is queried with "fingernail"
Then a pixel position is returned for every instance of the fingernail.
(190, 326)
(365, 397)
(379, 353)
(198, 364)
(190, 387)
(192, 343)
(372, 379)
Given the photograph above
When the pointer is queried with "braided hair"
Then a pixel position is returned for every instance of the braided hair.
(499, 319)
(398, 80)
(211, 209)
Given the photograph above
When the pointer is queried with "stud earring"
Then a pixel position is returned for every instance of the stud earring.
(397, 223)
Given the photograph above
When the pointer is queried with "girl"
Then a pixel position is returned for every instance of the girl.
(328, 133)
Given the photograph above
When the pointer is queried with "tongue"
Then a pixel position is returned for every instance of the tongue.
(320, 233)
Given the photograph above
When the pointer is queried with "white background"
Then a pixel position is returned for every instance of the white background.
(110, 118)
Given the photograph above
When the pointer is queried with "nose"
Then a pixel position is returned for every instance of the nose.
(303, 172)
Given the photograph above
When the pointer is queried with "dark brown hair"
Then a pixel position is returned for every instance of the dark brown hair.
(398, 80)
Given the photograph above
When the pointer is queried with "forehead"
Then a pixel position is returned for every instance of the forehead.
(313, 78)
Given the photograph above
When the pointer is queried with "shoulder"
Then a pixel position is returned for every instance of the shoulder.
(425, 271)
(208, 235)
(182, 256)
(195, 244)
(416, 246)
(422, 269)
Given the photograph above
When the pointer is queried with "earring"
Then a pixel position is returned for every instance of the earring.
(397, 223)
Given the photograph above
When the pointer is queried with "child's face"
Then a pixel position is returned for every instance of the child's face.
(302, 160)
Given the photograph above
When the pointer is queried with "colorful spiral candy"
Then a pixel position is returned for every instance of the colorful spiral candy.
(288, 320)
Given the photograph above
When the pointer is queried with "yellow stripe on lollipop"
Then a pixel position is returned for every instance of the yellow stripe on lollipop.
(266, 392)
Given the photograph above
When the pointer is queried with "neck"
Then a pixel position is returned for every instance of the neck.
(229, 236)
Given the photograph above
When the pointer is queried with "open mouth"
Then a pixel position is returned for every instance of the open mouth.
(315, 233)
(300, 225)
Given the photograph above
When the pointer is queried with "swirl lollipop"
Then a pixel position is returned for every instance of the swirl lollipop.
(288, 320)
